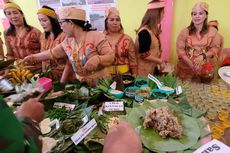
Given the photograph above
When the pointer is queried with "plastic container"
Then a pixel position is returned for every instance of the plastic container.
(45, 83)
(128, 80)
(116, 93)
(131, 91)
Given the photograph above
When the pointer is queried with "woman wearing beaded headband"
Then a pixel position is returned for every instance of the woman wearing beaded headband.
(51, 37)
(21, 39)
(147, 41)
(197, 44)
(88, 51)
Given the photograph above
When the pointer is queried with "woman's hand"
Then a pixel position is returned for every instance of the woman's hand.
(29, 60)
(197, 62)
(92, 63)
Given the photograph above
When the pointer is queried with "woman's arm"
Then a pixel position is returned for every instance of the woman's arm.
(57, 52)
(132, 58)
(106, 54)
(10, 53)
(66, 72)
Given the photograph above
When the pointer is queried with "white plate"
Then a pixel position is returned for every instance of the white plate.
(224, 73)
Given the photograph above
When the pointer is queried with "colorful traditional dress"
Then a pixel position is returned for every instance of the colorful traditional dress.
(57, 65)
(125, 55)
(191, 46)
(94, 44)
(148, 48)
(23, 44)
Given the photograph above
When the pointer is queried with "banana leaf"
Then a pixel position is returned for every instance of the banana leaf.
(153, 141)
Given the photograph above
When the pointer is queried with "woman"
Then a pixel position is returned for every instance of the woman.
(21, 39)
(88, 51)
(197, 43)
(147, 41)
(51, 37)
(122, 44)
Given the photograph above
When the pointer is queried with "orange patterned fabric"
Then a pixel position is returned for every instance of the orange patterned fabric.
(124, 50)
(94, 44)
(145, 66)
(192, 47)
(57, 66)
(23, 44)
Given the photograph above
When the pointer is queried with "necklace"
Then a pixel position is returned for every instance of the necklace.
(76, 53)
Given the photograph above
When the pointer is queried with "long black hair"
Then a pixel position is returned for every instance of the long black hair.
(85, 25)
(11, 31)
(56, 29)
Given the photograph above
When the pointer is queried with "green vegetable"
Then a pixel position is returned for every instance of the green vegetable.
(70, 126)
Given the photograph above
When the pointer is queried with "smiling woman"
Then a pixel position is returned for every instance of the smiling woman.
(197, 44)
(21, 39)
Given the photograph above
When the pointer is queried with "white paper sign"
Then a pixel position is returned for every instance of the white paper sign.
(178, 90)
(213, 146)
(64, 105)
(84, 131)
(114, 106)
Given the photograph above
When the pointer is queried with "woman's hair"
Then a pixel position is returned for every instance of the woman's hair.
(151, 19)
(204, 30)
(106, 26)
(56, 29)
(11, 30)
(85, 25)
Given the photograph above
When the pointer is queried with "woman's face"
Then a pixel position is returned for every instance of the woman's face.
(14, 16)
(198, 16)
(67, 27)
(114, 23)
(45, 22)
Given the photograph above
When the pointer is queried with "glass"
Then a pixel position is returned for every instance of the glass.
(62, 21)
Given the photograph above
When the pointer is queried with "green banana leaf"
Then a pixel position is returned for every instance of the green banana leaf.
(153, 141)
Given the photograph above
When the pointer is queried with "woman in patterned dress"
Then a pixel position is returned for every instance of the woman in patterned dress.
(197, 44)
(51, 37)
(21, 39)
(88, 51)
(122, 44)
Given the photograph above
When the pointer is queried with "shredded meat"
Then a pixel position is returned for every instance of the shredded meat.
(164, 122)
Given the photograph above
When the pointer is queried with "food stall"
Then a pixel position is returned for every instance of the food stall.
(168, 114)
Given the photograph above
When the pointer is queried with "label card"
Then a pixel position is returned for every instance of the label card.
(114, 106)
(84, 131)
(213, 146)
(178, 90)
(64, 105)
